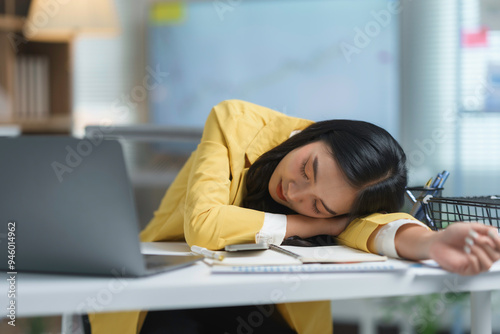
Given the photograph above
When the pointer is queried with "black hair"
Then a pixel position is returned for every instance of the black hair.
(371, 159)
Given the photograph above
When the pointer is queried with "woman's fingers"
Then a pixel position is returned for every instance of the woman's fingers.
(482, 248)
(495, 237)
(471, 248)
(480, 259)
(466, 248)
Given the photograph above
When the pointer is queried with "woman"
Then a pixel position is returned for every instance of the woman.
(253, 177)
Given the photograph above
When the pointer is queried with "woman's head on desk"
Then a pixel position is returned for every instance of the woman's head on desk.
(331, 168)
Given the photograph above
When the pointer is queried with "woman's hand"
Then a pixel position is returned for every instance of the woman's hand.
(305, 227)
(466, 248)
(463, 248)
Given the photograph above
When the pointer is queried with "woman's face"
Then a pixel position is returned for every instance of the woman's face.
(309, 181)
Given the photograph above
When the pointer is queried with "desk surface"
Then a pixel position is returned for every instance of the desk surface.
(195, 286)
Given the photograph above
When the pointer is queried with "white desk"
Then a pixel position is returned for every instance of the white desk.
(195, 286)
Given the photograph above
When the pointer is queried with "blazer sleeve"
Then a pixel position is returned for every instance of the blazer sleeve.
(209, 218)
(358, 231)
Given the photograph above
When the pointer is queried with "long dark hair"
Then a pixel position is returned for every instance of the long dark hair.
(371, 159)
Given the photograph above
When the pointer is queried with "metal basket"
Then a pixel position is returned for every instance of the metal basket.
(442, 211)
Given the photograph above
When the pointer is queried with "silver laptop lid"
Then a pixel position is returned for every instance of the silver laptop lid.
(71, 206)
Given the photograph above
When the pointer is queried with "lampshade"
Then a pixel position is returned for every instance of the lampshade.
(62, 20)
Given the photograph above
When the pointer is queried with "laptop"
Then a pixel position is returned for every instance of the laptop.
(67, 206)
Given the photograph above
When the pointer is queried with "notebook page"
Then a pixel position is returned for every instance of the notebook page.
(332, 254)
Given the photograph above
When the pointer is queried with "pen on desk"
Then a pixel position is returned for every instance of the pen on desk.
(207, 253)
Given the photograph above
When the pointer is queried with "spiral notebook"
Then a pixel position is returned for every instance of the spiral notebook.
(389, 265)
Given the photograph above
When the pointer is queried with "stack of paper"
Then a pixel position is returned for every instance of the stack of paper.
(282, 259)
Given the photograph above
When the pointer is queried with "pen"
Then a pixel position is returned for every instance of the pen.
(437, 181)
(428, 184)
(444, 175)
(418, 210)
(207, 253)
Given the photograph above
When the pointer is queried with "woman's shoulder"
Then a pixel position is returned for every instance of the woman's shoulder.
(250, 126)
(243, 111)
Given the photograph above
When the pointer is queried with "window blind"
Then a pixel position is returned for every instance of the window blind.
(479, 127)
(429, 61)
(449, 85)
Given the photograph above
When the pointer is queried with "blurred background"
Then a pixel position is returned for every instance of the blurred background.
(149, 72)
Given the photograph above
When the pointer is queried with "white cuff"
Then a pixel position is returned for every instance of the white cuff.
(274, 229)
(385, 239)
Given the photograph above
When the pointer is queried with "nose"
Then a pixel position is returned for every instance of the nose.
(298, 191)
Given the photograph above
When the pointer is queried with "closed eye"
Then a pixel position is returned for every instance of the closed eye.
(303, 170)
(315, 207)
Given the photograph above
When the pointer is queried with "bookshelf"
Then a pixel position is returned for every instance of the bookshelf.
(35, 77)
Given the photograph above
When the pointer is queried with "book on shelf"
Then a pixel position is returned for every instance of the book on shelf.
(5, 105)
(32, 87)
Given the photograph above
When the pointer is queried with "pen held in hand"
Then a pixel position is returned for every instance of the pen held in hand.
(207, 253)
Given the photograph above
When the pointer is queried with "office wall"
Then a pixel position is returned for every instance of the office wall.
(419, 97)
(312, 59)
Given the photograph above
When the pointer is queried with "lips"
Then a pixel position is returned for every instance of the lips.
(279, 192)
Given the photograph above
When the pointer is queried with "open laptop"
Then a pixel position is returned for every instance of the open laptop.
(67, 206)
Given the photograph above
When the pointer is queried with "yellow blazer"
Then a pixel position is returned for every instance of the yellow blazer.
(202, 205)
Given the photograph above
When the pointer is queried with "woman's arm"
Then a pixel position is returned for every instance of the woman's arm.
(305, 227)
(464, 248)
(235, 134)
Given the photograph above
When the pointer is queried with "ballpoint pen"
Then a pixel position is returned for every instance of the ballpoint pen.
(207, 253)
(444, 175)
(437, 181)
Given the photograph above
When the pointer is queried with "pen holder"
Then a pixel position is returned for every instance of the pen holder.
(419, 197)
(415, 194)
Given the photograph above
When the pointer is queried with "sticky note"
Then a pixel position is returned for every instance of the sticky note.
(475, 38)
(166, 13)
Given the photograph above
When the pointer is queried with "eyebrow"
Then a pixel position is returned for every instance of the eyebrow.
(315, 172)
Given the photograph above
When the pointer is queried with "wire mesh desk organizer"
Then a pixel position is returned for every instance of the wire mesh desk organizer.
(445, 210)
(439, 212)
